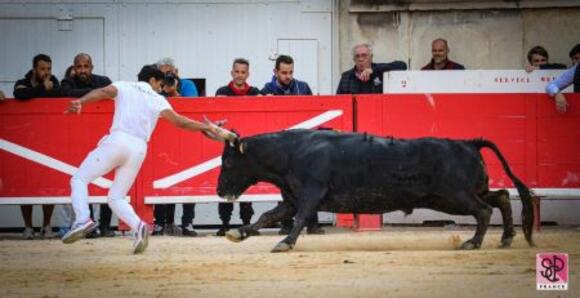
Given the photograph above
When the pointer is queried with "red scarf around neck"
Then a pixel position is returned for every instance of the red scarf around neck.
(239, 92)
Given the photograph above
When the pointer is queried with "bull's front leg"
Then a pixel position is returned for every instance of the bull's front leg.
(267, 219)
(307, 206)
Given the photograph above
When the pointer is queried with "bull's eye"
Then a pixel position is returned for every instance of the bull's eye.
(227, 163)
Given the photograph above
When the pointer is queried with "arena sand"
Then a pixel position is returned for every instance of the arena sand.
(395, 262)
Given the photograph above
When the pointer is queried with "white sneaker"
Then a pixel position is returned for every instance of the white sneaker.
(28, 234)
(79, 231)
(141, 238)
(47, 233)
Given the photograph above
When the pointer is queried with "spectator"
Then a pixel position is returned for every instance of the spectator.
(164, 214)
(569, 77)
(539, 59)
(440, 57)
(575, 54)
(365, 76)
(184, 87)
(238, 86)
(82, 80)
(46, 230)
(283, 82)
(2, 96)
(39, 81)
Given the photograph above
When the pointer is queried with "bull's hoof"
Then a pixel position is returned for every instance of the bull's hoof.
(506, 243)
(281, 247)
(469, 245)
(234, 235)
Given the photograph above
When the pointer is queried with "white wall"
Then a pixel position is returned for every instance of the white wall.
(202, 36)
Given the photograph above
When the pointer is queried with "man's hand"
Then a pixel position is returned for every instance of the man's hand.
(530, 68)
(74, 107)
(48, 85)
(561, 103)
(365, 75)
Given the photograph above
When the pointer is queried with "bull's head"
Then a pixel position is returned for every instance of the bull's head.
(236, 174)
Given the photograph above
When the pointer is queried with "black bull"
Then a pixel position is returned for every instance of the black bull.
(319, 170)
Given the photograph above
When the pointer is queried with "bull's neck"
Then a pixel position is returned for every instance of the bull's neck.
(271, 158)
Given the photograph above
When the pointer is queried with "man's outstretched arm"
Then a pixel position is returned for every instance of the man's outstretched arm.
(95, 95)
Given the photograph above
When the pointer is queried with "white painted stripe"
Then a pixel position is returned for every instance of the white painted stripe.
(49, 200)
(47, 161)
(211, 199)
(216, 161)
(573, 193)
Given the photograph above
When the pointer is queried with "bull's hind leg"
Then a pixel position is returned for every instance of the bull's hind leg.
(501, 199)
(468, 204)
(267, 219)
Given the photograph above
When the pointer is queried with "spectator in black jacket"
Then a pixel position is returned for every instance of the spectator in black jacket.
(39, 81)
(366, 76)
(83, 80)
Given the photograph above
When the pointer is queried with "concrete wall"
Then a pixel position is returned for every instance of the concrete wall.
(486, 38)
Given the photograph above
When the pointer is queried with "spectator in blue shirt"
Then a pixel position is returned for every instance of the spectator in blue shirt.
(569, 77)
(283, 82)
(184, 87)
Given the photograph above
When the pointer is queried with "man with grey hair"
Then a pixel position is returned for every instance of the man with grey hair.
(173, 85)
(365, 76)
(164, 214)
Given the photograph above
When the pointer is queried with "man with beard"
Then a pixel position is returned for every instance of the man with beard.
(283, 82)
(39, 81)
(440, 57)
(83, 79)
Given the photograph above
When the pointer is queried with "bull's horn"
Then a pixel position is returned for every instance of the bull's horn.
(219, 133)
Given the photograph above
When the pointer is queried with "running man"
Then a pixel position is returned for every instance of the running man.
(137, 108)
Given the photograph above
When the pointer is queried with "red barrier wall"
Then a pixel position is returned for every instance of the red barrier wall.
(40, 146)
(539, 143)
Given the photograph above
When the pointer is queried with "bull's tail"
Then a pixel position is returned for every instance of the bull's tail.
(528, 215)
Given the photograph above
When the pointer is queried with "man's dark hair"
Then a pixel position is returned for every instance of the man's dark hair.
(283, 59)
(241, 61)
(150, 71)
(539, 50)
(40, 57)
(575, 50)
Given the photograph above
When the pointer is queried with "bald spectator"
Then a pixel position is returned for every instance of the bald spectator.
(82, 80)
(539, 59)
(440, 57)
(365, 76)
(39, 81)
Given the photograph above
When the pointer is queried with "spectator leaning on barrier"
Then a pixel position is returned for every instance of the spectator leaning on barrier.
(137, 109)
(283, 82)
(440, 57)
(184, 87)
(39, 81)
(82, 80)
(569, 77)
(365, 76)
(539, 59)
(173, 86)
(238, 86)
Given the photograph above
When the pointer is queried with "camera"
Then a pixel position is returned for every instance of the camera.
(170, 80)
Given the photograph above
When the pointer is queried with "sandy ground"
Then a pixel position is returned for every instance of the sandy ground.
(395, 262)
